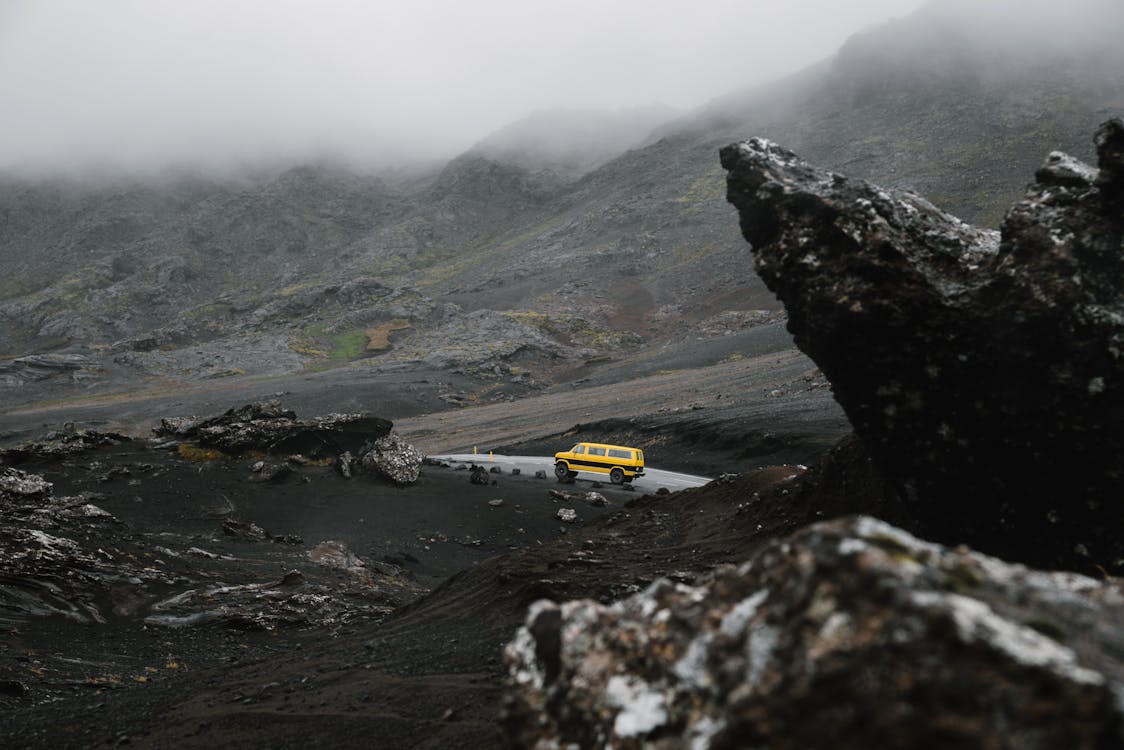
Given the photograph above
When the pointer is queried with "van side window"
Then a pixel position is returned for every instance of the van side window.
(620, 454)
(596, 451)
(578, 449)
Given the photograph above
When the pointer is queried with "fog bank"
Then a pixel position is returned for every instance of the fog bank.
(219, 83)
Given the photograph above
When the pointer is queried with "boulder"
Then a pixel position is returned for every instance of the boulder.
(478, 475)
(392, 457)
(984, 371)
(849, 634)
(567, 515)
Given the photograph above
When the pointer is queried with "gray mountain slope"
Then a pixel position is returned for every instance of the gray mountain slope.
(302, 269)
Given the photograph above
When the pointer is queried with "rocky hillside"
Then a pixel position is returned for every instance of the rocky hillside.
(502, 263)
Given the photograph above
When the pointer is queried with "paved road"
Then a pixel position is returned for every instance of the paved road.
(652, 480)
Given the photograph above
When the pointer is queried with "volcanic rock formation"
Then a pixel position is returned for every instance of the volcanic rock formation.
(982, 370)
(850, 634)
(266, 427)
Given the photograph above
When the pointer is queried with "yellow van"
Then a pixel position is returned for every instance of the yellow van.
(621, 463)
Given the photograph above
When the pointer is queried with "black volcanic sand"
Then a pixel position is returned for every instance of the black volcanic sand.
(187, 500)
(431, 675)
(428, 530)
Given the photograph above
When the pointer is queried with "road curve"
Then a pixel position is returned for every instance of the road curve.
(652, 480)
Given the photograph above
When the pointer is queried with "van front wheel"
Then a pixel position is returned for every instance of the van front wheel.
(561, 470)
(616, 476)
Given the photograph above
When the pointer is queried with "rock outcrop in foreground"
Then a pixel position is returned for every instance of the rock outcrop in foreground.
(851, 633)
(984, 371)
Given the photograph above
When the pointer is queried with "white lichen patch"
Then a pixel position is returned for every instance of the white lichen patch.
(520, 655)
(641, 707)
(691, 667)
(734, 622)
(870, 528)
(852, 546)
(759, 648)
(836, 632)
(702, 732)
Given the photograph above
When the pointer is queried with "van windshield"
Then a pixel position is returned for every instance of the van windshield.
(579, 448)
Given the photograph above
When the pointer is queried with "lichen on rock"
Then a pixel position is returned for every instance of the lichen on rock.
(850, 633)
(392, 457)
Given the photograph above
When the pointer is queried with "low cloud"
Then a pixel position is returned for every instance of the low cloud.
(138, 85)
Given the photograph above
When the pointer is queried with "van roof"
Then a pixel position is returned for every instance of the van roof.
(610, 445)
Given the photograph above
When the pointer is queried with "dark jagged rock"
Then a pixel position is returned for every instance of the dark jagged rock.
(16, 372)
(849, 634)
(266, 427)
(55, 555)
(289, 602)
(596, 499)
(983, 371)
(274, 473)
(20, 484)
(247, 530)
(62, 444)
(251, 532)
(64, 557)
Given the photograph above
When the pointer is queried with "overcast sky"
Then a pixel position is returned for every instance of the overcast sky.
(143, 83)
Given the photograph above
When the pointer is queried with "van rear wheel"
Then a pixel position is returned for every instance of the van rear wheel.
(616, 476)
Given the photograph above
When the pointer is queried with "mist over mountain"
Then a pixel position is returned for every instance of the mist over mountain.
(137, 86)
(572, 141)
(958, 101)
(609, 226)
